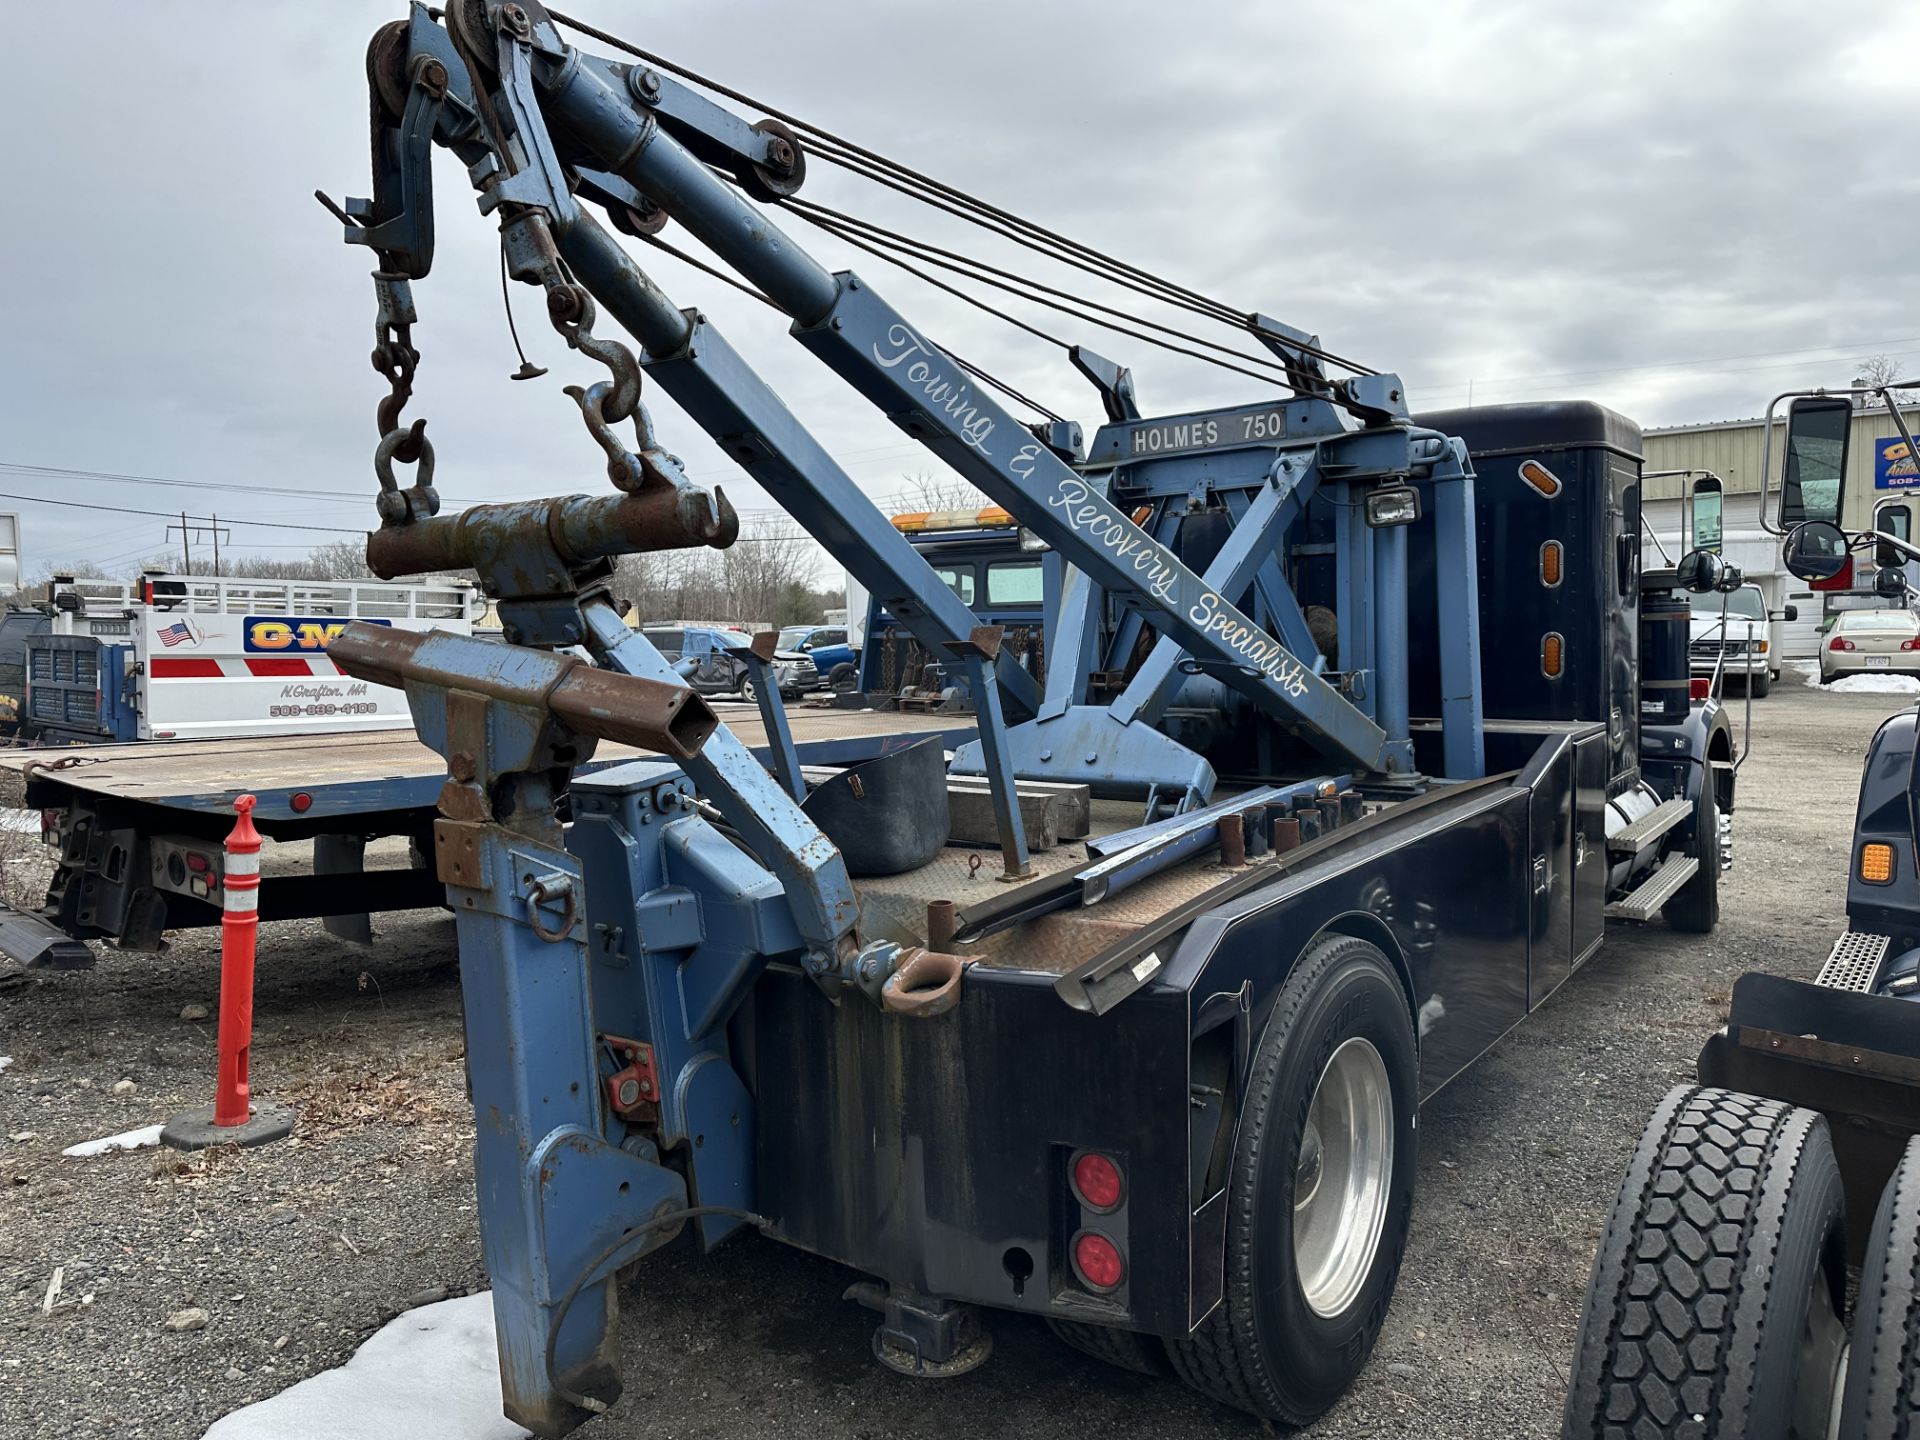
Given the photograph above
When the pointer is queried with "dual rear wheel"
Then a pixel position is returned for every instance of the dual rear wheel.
(1882, 1397)
(1718, 1295)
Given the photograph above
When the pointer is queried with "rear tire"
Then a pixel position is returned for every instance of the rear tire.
(1124, 1349)
(1759, 685)
(1715, 1299)
(1696, 909)
(1883, 1372)
(1308, 1278)
(844, 679)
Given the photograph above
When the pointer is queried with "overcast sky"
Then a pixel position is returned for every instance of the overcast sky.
(1677, 209)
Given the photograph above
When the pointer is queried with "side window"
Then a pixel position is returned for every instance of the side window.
(830, 637)
(668, 642)
(958, 579)
(1015, 582)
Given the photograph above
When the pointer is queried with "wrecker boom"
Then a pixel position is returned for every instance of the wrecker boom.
(546, 131)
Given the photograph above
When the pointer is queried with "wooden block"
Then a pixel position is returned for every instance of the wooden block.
(971, 822)
(1076, 810)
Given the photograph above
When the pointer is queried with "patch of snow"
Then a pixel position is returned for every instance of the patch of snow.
(1860, 683)
(5, 1060)
(131, 1140)
(1876, 685)
(432, 1371)
(21, 822)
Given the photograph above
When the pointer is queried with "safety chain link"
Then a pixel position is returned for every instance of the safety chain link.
(607, 403)
(396, 360)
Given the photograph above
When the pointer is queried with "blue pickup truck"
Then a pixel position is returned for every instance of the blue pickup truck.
(835, 661)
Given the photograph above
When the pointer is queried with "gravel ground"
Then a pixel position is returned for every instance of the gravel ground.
(297, 1252)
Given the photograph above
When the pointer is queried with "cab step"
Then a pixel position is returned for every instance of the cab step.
(1854, 963)
(1644, 901)
(1649, 827)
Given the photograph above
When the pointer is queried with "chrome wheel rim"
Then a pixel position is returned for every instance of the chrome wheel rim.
(1341, 1178)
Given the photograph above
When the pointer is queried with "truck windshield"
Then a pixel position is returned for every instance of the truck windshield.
(1741, 605)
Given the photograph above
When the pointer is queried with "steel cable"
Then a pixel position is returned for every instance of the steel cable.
(872, 165)
(958, 264)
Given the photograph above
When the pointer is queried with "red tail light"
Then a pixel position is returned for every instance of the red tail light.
(1910, 644)
(1097, 1261)
(1097, 1182)
(1840, 642)
(1699, 687)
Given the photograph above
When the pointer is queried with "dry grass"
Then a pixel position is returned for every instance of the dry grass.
(26, 866)
(341, 1102)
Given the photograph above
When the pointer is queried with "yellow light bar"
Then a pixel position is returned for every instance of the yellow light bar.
(1876, 863)
(1540, 478)
(1553, 647)
(992, 518)
(1550, 556)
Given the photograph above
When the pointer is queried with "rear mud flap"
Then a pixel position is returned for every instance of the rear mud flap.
(1853, 1058)
(344, 855)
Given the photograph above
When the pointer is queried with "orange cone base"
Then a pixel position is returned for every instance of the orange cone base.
(195, 1130)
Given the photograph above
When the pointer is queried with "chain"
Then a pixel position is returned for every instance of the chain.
(606, 403)
(395, 359)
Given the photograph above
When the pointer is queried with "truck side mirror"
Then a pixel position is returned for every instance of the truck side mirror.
(1814, 485)
(1732, 577)
(1707, 513)
(1890, 583)
(1790, 614)
(1815, 551)
(1699, 571)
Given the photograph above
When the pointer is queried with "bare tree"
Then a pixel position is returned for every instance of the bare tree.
(335, 560)
(1881, 370)
(934, 492)
(761, 579)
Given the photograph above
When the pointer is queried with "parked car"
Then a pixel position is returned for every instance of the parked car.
(1871, 640)
(1745, 638)
(835, 661)
(718, 672)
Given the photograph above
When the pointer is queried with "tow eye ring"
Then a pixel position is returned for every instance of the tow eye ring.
(925, 984)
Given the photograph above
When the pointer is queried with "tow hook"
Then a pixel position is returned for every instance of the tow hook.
(925, 983)
(906, 981)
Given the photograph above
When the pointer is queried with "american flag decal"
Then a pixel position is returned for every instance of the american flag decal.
(174, 634)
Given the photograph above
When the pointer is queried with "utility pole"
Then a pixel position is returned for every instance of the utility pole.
(216, 544)
(186, 552)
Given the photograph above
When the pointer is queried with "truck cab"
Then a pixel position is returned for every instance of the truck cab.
(184, 657)
(996, 569)
(1732, 634)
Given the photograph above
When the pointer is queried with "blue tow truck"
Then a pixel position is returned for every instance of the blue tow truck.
(744, 979)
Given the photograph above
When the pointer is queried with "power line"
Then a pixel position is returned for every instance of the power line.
(176, 515)
(55, 472)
